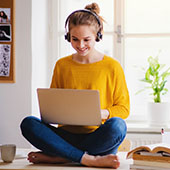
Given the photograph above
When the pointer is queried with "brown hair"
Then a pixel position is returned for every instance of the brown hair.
(85, 18)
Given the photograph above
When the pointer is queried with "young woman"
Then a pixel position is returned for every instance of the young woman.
(88, 68)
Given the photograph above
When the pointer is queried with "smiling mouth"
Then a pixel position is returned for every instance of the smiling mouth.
(82, 50)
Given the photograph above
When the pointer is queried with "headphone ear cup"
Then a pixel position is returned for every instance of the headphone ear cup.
(67, 37)
(97, 39)
(99, 36)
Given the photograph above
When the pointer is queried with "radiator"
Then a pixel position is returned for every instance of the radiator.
(138, 139)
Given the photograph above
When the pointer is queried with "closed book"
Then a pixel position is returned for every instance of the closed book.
(155, 164)
(159, 158)
(142, 167)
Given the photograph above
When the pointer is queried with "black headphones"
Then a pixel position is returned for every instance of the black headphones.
(99, 34)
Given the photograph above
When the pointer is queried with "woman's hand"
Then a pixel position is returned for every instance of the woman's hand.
(104, 113)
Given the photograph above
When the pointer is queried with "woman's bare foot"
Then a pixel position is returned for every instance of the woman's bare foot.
(109, 161)
(39, 157)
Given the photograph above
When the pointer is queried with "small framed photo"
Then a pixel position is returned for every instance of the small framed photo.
(5, 15)
(5, 33)
(5, 56)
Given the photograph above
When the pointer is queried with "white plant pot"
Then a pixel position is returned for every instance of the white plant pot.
(159, 114)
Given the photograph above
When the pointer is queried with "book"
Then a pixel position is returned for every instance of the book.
(154, 157)
(155, 164)
(153, 151)
(142, 167)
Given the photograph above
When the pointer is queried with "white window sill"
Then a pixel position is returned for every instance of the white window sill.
(142, 127)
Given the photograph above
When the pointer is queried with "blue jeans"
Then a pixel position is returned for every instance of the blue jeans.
(58, 142)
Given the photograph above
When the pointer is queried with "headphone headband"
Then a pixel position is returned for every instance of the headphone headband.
(99, 35)
(83, 10)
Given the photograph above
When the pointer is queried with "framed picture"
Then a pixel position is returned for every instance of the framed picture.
(7, 41)
(5, 15)
(5, 53)
(5, 33)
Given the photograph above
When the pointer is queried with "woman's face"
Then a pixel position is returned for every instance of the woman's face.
(83, 39)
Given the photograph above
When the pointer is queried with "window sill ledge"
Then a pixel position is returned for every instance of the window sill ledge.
(141, 127)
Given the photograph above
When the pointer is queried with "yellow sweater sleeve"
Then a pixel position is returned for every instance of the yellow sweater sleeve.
(121, 103)
(54, 81)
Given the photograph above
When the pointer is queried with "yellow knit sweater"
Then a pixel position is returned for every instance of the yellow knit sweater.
(107, 76)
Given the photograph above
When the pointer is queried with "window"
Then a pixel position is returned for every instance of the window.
(146, 33)
(135, 29)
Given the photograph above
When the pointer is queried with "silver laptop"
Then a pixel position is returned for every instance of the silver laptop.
(69, 106)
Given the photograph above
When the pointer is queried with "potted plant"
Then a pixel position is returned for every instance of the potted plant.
(156, 77)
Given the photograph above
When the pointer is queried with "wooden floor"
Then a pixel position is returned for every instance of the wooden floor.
(21, 163)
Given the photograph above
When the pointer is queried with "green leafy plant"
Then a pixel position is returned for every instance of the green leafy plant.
(156, 77)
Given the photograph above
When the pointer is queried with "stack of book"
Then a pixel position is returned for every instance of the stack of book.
(151, 157)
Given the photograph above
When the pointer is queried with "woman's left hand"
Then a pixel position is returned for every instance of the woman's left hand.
(104, 113)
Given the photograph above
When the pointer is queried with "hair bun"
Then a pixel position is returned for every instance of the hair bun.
(94, 7)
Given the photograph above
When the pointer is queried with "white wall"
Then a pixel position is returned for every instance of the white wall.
(18, 100)
(15, 98)
(39, 49)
